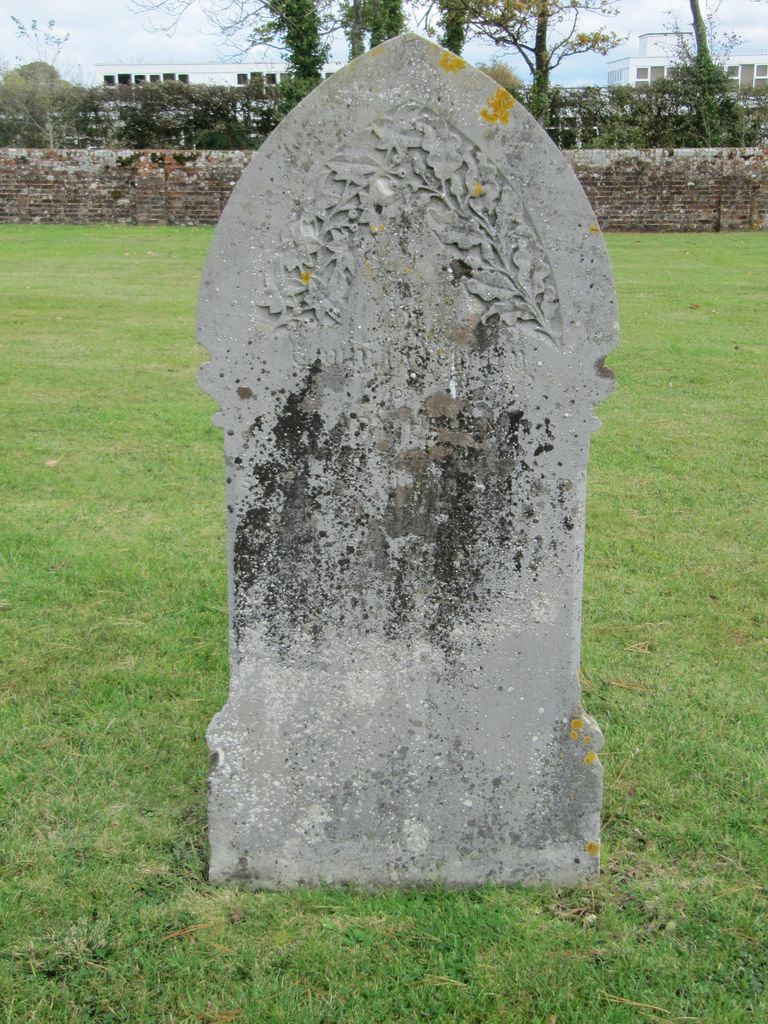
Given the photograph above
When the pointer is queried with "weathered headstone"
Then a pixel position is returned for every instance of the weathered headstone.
(407, 304)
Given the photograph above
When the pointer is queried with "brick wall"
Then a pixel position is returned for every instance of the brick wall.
(631, 190)
(675, 189)
(91, 186)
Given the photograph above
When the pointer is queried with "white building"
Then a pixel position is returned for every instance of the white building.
(267, 72)
(658, 52)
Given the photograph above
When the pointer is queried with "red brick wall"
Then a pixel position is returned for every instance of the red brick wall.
(631, 190)
(82, 186)
(675, 189)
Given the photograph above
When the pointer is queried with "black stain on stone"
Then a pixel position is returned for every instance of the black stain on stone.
(487, 332)
(459, 269)
(275, 531)
(604, 371)
(318, 543)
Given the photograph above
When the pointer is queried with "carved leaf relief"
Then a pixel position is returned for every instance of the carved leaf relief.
(473, 208)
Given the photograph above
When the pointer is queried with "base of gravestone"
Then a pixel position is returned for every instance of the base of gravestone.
(442, 831)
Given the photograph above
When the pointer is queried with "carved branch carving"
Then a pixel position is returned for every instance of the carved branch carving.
(472, 207)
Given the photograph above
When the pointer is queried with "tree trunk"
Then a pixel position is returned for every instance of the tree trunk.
(454, 28)
(708, 102)
(700, 33)
(541, 85)
(356, 30)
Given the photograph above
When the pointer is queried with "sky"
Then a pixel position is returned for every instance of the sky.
(109, 32)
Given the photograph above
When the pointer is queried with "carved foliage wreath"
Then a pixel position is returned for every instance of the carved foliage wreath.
(472, 208)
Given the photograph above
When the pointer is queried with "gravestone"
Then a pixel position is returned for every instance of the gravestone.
(407, 304)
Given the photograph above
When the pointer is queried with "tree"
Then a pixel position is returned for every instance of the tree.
(543, 32)
(454, 27)
(44, 42)
(353, 23)
(714, 118)
(297, 23)
(376, 19)
(294, 25)
(297, 27)
(37, 107)
(504, 76)
(386, 19)
(700, 33)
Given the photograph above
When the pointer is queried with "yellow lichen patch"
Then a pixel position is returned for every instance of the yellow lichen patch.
(306, 276)
(587, 738)
(590, 758)
(577, 723)
(499, 106)
(592, 848)
(451, 62)
(478, 189)
(376, 228)
(594, 229)
(574, 734)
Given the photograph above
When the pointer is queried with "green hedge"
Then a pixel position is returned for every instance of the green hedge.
(669, 114)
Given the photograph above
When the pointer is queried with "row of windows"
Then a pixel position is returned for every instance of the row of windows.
(653, 74)
(266, 78)
(746, 76)
(749, 76)
(140, 79)
(263, 78)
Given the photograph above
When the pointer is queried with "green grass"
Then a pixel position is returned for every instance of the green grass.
(113, 642)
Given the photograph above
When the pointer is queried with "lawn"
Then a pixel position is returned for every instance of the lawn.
(113, 645)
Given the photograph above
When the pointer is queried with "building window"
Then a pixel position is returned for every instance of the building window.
(109, 79)
(271, 79)
(761, 76)
(154, 78)
(242, 79)
(138, 79)
(733, 72)
(184, 79)
(747, 76)
(641, 75)
(257, 76)
(657, 73)
(169, 76)
(123, 79)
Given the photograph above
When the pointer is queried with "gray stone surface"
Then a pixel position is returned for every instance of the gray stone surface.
(407, 304)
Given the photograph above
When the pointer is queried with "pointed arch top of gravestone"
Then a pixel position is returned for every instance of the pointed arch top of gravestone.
(410, 115)
(407, 304)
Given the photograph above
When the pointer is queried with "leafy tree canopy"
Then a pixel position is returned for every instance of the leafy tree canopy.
(504, 76)
(543, 32)
(300, 28)
(36, 106)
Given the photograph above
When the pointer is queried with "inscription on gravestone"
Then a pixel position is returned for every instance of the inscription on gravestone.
(407, 305)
